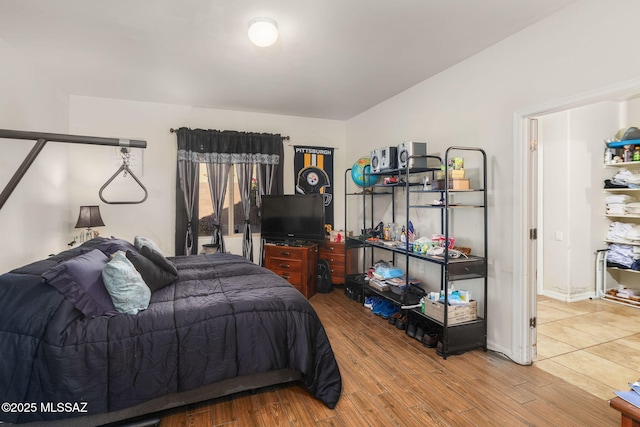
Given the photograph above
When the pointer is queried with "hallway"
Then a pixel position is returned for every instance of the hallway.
(592, 344)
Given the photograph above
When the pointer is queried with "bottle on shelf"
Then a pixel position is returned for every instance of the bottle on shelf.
(608, 156)
(627, 155)
(636, 153)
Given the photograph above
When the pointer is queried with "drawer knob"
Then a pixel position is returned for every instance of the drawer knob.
(285, 276)
(285, 266)
(285, 253)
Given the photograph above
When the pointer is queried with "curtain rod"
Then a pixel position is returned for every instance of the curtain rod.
(286, 138)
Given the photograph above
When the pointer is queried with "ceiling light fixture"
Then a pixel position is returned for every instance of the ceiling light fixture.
(263, 32)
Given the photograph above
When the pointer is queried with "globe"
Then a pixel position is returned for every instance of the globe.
(360, 173)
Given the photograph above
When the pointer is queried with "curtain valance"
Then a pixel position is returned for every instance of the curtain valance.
(228, 147)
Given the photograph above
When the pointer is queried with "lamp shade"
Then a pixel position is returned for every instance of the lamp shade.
(89, 217)
(263, 32)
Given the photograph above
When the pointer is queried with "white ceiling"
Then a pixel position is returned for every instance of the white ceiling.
(334, 59)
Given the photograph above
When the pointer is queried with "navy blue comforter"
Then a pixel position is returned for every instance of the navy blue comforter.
(224, 317)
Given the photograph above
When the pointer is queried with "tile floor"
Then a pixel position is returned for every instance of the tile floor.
(593, 344)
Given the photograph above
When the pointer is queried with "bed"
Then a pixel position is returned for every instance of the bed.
(225, 325)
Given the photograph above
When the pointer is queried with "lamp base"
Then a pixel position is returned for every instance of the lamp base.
(87, 235)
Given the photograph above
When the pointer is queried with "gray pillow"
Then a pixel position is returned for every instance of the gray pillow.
(153, 275)
(159, 260)
(80, 281)
(128, 291)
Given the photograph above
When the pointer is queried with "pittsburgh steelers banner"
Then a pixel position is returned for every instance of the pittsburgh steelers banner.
(313, 172)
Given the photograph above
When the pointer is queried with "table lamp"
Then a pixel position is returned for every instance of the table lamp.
(89, 217)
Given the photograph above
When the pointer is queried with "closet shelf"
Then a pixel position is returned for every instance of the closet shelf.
(617, 242)
(620, 190)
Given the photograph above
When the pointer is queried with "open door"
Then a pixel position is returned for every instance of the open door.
(532, 222)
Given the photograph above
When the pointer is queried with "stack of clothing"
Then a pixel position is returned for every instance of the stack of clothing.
(623, 179)
(617, 203)
(623, 232)
(624, 256)
(632, 208)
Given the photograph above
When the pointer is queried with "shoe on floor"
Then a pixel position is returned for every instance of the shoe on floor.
(431, 338)
(411, 330)
(401, 323)
(369, 301)
(380, 306)
(419, 333)
(389, 311)
(395, 317)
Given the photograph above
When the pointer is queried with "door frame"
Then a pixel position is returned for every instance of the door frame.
(524, 272)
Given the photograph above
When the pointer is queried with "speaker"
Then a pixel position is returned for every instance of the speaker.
(412, 148)
(388, 158)
(375, 161)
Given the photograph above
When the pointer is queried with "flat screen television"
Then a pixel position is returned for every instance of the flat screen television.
(292, 218)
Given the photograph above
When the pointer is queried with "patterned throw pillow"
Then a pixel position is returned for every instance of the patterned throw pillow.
(128, 291)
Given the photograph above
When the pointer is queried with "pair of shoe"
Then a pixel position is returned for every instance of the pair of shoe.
(393, 318)
(379, 305)
(415, 331)
(391, 310)
(431, 338)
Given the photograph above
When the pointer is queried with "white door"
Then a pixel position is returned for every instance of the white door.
(532, 221)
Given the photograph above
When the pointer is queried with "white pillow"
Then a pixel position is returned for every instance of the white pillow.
(140, 241)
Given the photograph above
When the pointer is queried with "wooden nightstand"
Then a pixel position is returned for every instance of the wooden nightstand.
(340, 261)
(297, 264)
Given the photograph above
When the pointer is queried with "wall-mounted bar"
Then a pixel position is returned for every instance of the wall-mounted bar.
(42, 138)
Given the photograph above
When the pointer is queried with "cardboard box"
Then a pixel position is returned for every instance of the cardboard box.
(456, 313)
(338, 236)
(454, 184)
(453, 173)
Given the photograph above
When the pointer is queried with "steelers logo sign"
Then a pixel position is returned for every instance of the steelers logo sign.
(313, 179)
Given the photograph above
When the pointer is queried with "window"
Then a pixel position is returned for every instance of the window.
(228, 222)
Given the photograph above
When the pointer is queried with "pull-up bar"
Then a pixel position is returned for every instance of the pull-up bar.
(42, 138)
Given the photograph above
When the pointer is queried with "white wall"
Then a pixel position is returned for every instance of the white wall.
(573, 221)
(579, 49)
(155, 218)
(33, 220)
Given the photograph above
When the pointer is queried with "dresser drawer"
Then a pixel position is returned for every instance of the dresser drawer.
(277, 264)
(288, 269)
(295, 264)
(334, 254)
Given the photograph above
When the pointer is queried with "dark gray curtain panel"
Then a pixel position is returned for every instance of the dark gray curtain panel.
(219, 150)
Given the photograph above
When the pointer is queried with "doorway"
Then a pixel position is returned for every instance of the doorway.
(528, 184)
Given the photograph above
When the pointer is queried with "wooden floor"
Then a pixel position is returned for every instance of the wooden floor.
(593, 344)
(390, 379)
